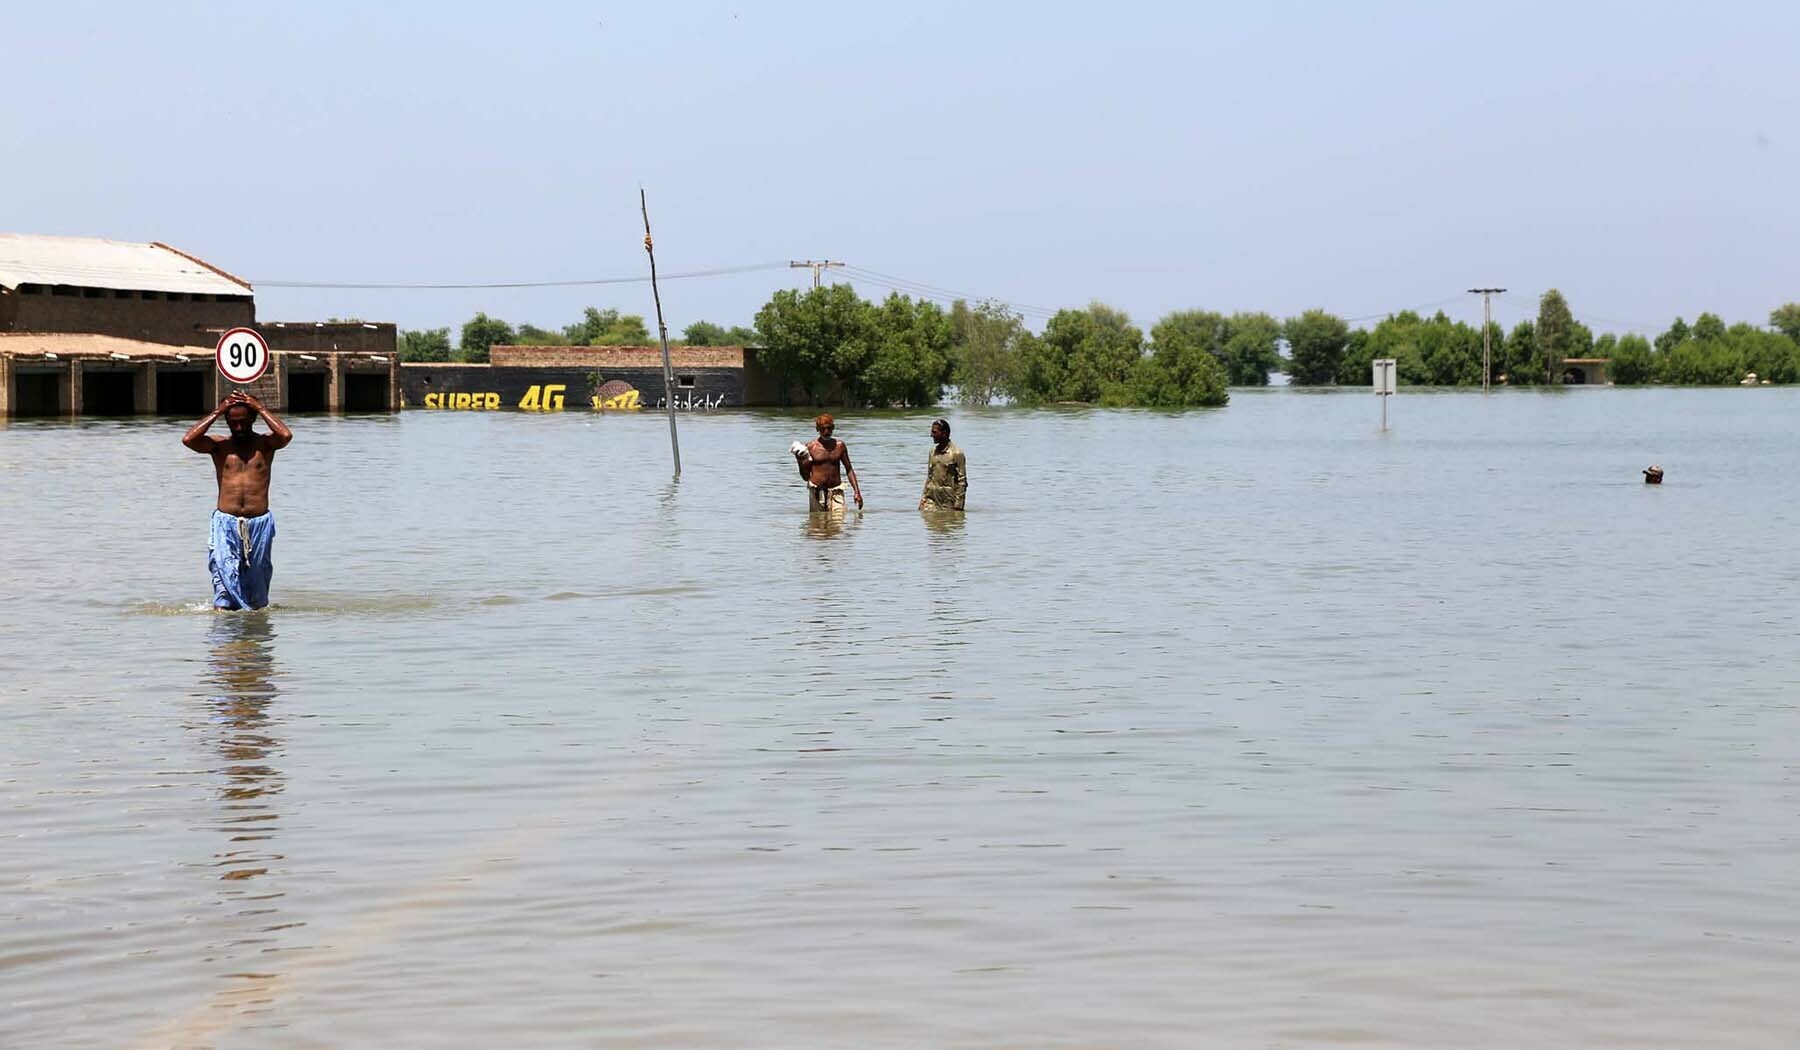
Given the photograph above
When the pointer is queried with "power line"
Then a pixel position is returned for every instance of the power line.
(928, 291)
(1410, 309)
(879, 276)
(411, 286)
(817, 266)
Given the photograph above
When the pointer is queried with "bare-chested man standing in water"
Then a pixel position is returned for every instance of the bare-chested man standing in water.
(241, 545)
(819, 466)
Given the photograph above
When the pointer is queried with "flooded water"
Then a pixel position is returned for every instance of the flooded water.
(1240, 728)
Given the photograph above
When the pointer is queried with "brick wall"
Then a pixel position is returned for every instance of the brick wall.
(604, 357)
(187, 321)
(352, 336)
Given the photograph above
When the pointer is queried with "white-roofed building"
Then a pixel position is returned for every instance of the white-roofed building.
(149, 292)
(92, 326)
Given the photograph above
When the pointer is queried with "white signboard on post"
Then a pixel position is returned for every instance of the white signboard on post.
(1386, 380)
(1386, 375)
(242, 355)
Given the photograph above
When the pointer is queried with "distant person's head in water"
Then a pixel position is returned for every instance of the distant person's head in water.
(239, 418)
(1653, 475)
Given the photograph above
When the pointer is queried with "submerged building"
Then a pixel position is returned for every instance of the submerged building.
(99, 327)
(608, 378)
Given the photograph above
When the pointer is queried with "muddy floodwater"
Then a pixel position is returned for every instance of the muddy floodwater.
(1249, 727)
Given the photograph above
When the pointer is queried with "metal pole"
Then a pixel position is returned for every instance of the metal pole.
(1487, 339)
(663, 331)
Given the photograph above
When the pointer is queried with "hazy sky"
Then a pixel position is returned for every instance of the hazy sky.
(1361, 157)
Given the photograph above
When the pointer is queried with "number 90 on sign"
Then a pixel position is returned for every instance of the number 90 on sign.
(242, 355)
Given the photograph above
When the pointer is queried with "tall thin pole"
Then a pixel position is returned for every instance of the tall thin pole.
(662, 330)
(1487, 336)
(817, 266)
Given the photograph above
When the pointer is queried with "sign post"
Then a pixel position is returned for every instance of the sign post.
(242, 356)
(1385, 378)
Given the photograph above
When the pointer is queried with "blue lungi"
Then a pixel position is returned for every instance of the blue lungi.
(239, 551)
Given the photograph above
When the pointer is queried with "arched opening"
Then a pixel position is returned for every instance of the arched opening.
(1574, 376)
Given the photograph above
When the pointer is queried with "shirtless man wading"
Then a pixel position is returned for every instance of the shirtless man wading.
(819, 466)
(242, 541)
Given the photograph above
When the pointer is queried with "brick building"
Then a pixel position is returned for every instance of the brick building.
(99, 327)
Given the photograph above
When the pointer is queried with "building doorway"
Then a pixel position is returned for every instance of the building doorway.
(38, 393)
(365, 392)
(306, 392)
(181, 393)
(108, 393)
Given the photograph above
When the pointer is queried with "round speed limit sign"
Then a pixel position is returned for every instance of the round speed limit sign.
(243, 356)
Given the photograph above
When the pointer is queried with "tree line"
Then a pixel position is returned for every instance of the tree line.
(829, 344)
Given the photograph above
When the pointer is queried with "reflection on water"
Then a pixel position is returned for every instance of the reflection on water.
(944, 522)
(239, 686)
(829, 524)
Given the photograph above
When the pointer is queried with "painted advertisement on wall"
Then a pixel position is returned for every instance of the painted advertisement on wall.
(478, 388)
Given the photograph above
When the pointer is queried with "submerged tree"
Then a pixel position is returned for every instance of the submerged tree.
(1555, 333)
(1316, 343)
(985, 353)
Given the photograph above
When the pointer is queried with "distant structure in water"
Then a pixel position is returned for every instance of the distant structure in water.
(597, 378)
(99, 327)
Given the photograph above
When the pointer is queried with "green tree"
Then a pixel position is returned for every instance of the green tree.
(1701, 362)
(910, 354)
(1177, 374)
(1633, 362)
(532, 335)
(1449, 352)
(1709, 327)
(608, 328)
(811, 338)
(1771, 355)
(985, 353)
(1247, 344)
(1095, 350)
(705, 333)
(1786, 320)
(1677, 334)
(1316, 342)
(480, 333)
(1521, 363)
(1401, 336)
(430, 344)
(1252, 348)
(1556, 334)
(1354, 366)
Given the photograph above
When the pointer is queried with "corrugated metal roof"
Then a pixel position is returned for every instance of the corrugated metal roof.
(90, 262)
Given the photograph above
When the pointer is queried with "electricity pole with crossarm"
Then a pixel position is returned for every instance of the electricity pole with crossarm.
(1487, 336)
(816, 266)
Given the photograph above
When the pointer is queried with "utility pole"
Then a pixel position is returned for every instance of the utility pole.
(662, 330)
(817, 266)
(1487, 338)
